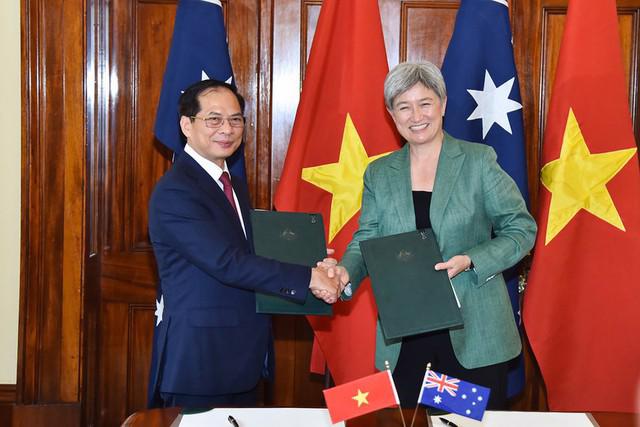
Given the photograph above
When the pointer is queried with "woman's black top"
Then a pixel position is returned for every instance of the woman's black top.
(417, 350)
(421, 205)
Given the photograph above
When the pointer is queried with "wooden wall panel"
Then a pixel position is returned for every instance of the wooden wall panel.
(141, 320)
(309, 20)
(294, 385)
(264, 50)
(629, 23)
(112, 380)
(52, 253)
(285, 82)
(553, 24)
(126, 331)
(60, 414)
(243, 23)
(7, 403)
(134, 159)
(153, 26)
(426, 29)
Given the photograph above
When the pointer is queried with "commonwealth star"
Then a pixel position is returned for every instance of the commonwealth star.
(159, 310)
(494, 104)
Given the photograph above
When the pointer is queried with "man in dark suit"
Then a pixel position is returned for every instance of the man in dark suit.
(212, 348)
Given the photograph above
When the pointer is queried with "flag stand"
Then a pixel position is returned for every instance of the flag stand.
(415, 411)
(386, 365)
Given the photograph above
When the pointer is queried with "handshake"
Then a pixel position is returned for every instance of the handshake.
(328, 280)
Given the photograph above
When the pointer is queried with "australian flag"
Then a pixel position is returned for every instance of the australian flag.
(199, 51)
(453, 395)
(484, 105)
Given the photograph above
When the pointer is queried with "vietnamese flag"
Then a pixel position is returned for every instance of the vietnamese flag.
(581, 304)
(361, 396)
(341, 126)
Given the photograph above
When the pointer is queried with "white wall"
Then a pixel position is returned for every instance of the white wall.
(10, 123)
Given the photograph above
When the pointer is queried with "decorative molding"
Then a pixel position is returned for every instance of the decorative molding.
(140, 329)
(7, 393)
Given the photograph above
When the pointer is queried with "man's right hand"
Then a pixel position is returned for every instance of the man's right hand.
(324, 287)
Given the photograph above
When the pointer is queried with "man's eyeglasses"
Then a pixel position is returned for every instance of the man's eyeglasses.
(214, 122)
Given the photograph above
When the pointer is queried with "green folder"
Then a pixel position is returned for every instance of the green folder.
(411, 296)
(296, 238)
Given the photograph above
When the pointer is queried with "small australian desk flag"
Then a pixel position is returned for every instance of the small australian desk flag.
(454, 395)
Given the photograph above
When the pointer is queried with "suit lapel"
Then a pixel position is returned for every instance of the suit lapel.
(207, 185)
(399, 179)
(449, 168)
(242, 192)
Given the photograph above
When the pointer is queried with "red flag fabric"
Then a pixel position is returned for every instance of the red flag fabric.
(341, 126)
(361, 396)
(581, 303)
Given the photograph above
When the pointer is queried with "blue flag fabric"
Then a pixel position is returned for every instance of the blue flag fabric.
(454, 395)
(198, 51)
(484, 105)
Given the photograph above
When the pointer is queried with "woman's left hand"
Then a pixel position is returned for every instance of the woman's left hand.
(455, 265)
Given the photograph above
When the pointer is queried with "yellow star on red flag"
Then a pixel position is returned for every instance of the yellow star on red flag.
(344, 179)
(361, 398)
(577, 180)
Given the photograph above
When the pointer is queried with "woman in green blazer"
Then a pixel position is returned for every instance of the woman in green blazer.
(481, 224)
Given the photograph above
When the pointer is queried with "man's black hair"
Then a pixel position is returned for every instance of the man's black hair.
(189, 104)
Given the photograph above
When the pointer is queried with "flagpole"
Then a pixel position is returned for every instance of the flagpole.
(327, 376)
(387, 367)
(415, 411)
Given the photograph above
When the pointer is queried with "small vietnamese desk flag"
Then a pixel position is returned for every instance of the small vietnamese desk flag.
(454, 395)
(361, 396)
(198, 52)
(484, 105)
(341, 126)
(581, 303)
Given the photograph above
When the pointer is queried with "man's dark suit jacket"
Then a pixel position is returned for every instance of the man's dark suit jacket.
(210, 341)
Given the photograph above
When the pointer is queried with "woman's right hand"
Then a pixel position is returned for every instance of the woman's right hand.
(455, 265)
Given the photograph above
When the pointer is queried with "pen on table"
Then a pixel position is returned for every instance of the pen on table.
(447, 422)
(233, 421)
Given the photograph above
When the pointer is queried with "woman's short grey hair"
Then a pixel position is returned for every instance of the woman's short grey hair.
(406, 74)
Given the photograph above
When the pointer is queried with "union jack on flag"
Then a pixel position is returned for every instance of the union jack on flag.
(441, 382)
(454, 395)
